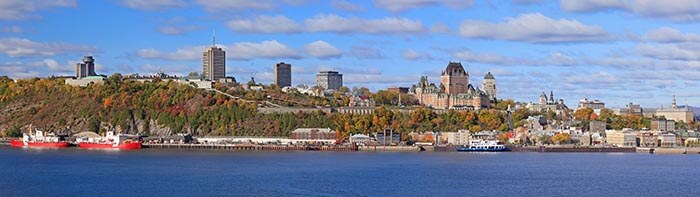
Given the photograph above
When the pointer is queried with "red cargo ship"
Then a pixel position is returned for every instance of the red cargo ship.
(111, 141)
(40, 140)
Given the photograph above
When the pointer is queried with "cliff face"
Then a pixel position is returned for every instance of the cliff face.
(124, 106)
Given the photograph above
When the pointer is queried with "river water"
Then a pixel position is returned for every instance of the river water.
(75, 172)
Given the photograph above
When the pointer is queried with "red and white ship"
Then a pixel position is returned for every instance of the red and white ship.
(111, 141)
(41, 140)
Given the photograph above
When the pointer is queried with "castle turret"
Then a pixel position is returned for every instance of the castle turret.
(489, 85)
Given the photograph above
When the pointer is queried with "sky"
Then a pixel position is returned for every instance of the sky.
(617, 51)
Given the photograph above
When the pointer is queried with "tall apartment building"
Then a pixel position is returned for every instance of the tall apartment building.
(214, 63)
(86, 68)
(283, 74)
(329, 80)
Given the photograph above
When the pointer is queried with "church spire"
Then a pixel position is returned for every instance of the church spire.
(673, 102)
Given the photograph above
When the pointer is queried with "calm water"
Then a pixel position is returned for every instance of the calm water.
(71, 172)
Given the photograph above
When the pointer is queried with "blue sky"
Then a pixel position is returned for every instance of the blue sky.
(618, 51)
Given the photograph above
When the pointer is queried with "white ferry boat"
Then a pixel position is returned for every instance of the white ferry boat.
(482, 146)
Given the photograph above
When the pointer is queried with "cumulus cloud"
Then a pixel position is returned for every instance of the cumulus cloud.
(24, 9)
(265, 24)
(670, 35)
(674, 10)
(185, 53)
(365, 52)
(411, 54)
(153, 5)
(346, 6)
(218, 5)
(177, 29)
(339, 24)
(401, 5)
(20, 47)
(684, 52)
(535, 28)
(554, 59)
(264, 49)
(323, 50)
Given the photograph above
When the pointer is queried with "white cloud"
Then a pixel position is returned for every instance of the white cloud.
(24, 9)
(323, 50)
(674, 10)
(670, 35)
(535, 28)
(186, 53)
(265, 24)
(365, 52)
(346, 6)
(411, 54)
(339, 24)
(684, 52)
(20, 47)
(12, 29)
(264, 49)
(220, 5)
(153, 5)
(177, 29)
(554, 59)
(401, 5)
(527, 2)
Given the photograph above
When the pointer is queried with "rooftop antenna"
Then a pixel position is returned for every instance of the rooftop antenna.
(213, 38)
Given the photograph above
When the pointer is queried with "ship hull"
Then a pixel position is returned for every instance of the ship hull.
(17, 143)
(480, 150)
(128, 146)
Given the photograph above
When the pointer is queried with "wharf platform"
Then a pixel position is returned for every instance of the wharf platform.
(391, 148)
(570, 149)
(248, 147)
(677, 150)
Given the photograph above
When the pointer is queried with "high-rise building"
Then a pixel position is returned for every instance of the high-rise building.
(489, 85)
(283, 74)
(214, 63)
(86, 68)
(329, 80)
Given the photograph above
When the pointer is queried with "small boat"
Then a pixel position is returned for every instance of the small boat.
(110, 141)
(482, 146)
(40, 139)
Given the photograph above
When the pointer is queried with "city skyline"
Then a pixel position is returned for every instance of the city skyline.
(578, 49)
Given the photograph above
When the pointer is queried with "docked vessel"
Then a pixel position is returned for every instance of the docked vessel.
(482, 146)
(41, 140)
(111, 141)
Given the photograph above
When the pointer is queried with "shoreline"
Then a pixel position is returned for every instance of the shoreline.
(340, 148)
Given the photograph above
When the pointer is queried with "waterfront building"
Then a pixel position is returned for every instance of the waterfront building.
(548, 104)
(425, 137)
(86, 68)
(214, 63)
(329, 80)
(663, 125)
(313, 134)
(489, 86)
(454, 91)
(676, 113)
(387, 137)
(668, 140)
(359, 139)
(283, 75)
(621, 138)
(596, 105)
(461, 137)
